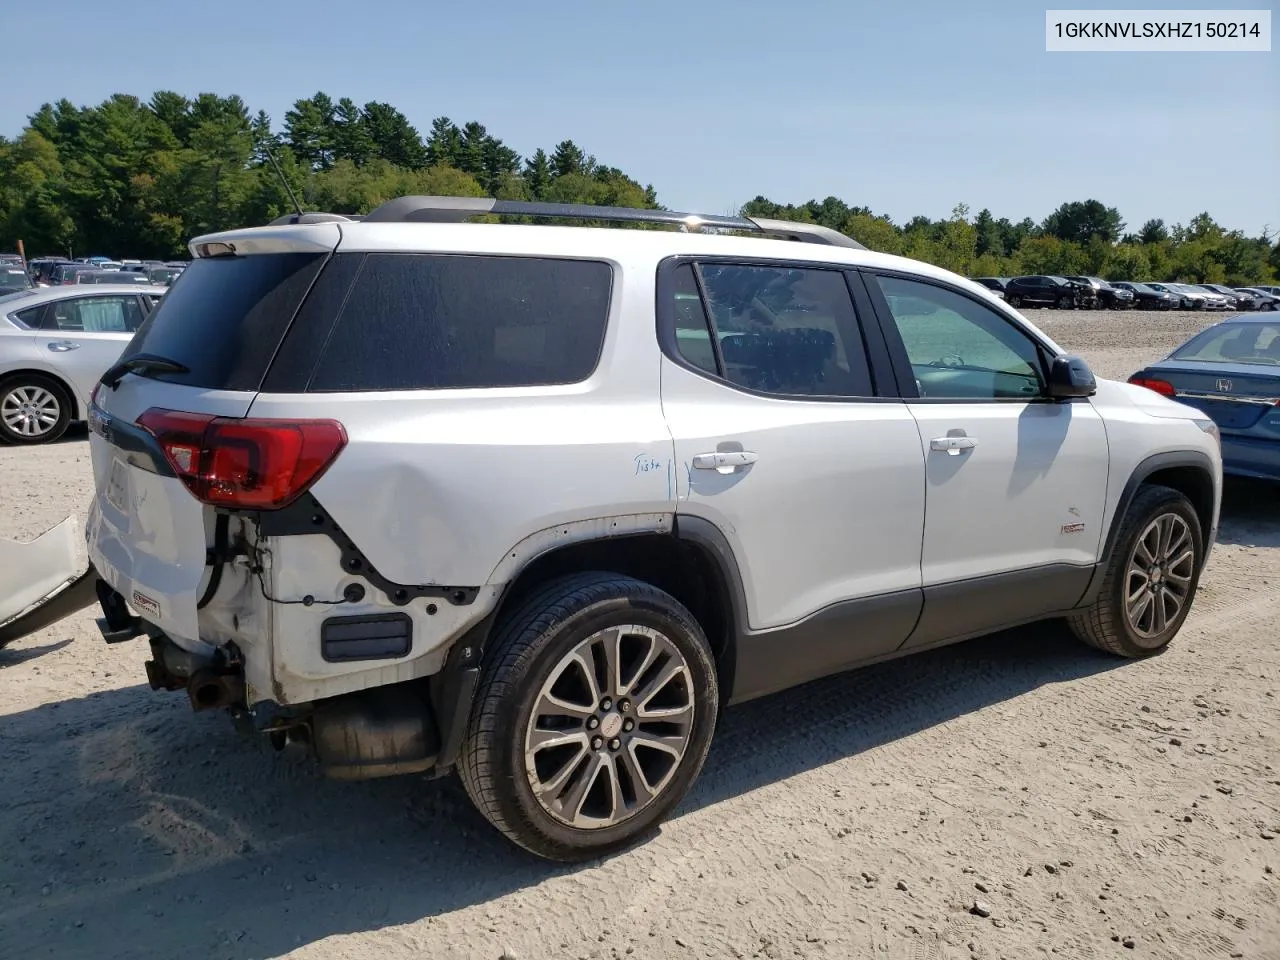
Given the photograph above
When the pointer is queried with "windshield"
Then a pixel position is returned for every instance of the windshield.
(1251, 343)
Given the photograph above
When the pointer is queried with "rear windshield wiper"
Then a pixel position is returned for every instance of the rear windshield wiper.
(137, 363)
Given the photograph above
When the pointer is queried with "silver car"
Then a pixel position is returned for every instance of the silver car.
(55, 343)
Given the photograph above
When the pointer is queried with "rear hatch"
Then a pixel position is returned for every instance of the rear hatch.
(209, 343)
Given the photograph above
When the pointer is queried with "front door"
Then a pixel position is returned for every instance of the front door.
(1016, 483)
(816, 483)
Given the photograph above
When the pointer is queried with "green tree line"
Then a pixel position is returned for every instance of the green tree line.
(140, 178)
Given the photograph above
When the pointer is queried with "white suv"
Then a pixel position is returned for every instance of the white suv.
(536, 502)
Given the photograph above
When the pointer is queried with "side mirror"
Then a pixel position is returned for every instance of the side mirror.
(1070, 377)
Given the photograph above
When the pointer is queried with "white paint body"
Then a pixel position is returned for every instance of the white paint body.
(462, 487)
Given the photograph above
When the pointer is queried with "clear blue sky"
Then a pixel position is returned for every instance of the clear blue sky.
(906, 107)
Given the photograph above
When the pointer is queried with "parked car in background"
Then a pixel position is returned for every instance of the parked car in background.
(163, 275)
(1274, 291)
(112, 276)
(1238, 300)
(1231, 371)
(1262, 299)
(1212, 301)
(54, 345)
(13, 279)
(1185, 301)
(995, 284)
(41, 270)
(1107, 296)
(1146, 297)
(65, 273)
(1046, 291)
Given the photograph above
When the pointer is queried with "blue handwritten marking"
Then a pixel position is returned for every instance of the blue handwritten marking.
(646, 464)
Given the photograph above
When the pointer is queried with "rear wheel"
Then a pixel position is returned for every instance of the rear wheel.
(593, 717)
(1150, 580)
(33, 409)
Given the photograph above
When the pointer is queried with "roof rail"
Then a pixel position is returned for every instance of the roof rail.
(313, 218)
(420, 209)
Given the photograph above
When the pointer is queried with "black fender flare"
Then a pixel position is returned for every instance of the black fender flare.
(1193, 459)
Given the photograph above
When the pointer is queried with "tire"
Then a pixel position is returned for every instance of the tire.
(1066, 303)
(1014, 302)
(532, 658)
(30, 402)
(1107, 624)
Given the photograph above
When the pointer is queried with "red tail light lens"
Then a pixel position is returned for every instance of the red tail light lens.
(248, 464)
(1162, 387)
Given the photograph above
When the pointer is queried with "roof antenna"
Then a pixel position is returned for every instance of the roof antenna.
(285, 183)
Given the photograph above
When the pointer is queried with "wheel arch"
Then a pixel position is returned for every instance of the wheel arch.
(1190, 472)
(76, 412)
(690, 558)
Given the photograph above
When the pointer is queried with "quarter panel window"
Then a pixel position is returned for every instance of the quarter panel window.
(960, 349)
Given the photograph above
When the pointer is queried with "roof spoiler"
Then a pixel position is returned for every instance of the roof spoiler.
(423, 209)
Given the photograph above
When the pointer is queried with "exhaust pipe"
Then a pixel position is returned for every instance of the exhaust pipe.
(208, 690)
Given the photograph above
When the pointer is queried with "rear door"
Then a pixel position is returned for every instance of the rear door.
(783, 441)
(82, 336)
(147, 533)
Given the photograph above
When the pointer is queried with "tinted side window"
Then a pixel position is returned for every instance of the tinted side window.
(226, 318)
(95, 314)
(31, 316)
(779, 329)
(422, 322)
(959, 348)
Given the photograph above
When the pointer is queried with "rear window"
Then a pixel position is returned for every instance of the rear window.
(1249, 342)
(225, 317)
(441, 321)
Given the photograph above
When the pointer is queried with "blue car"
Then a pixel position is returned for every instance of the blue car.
(1231, 371)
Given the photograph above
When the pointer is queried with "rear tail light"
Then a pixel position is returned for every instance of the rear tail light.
(1162, 387)
(248, 464)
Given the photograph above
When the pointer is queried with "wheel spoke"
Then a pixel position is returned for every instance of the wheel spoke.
(549, 705)
(540, 739)
(670, 670)
(639, 782)
(672, 745)
(1143, 551)
(1179, 542)
(608, 643)
(550, 789)
(651, 654)
(1139, 609)
(588, 669)
(1159, 616)
(571, 803)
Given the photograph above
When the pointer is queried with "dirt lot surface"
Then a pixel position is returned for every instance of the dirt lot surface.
(1017, 796)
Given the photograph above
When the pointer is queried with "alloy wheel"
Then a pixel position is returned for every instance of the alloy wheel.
(609, 727)
(30, 411)
(1159, 575)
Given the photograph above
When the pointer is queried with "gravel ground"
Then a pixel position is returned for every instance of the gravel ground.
(1016, 796)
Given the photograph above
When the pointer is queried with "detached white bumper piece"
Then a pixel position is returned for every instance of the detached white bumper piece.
(43, 581)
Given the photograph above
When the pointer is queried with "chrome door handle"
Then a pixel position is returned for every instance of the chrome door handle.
(62, 346)
(725, 461)
(952, 445)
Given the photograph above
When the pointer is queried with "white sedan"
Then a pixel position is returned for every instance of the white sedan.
(55, 342)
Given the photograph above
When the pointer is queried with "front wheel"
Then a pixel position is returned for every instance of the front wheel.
(593, 716)
(1151, 578)
(1014, 301)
